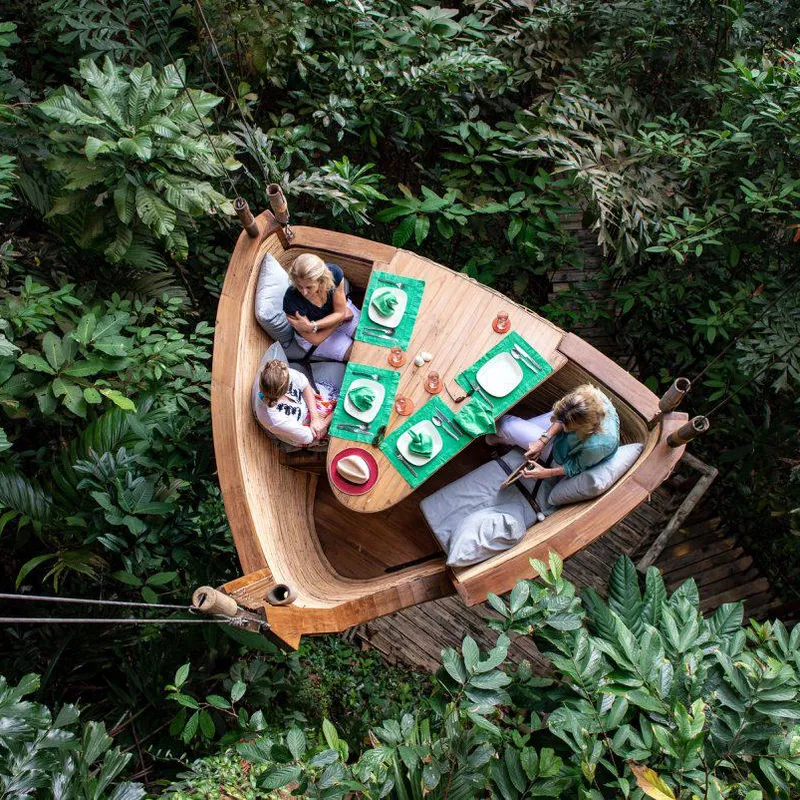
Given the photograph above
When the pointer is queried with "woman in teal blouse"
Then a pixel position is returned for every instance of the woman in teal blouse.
(582, 430)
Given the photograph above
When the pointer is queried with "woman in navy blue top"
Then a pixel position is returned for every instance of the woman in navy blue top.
(318, 310)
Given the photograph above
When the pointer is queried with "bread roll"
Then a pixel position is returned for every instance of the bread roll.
(353, 469)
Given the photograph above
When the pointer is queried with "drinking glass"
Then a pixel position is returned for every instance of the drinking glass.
(501, 322)
(397, 357)
(403, 405)
(433, 383)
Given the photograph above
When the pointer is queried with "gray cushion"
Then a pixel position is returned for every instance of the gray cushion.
(597, 479)
(273, 281)
(446, 509)
(485, 533)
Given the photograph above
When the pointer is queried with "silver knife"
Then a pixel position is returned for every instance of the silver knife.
(526, 358)
(448, 423)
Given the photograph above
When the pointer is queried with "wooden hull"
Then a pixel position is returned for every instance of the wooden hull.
(285, 526)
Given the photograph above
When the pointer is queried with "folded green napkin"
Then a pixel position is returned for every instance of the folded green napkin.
(362, 397)
(421, 443)
(385, 302)
(475, 419)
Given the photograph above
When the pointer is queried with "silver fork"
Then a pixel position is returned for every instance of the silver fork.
(407, 464)
(392, 283)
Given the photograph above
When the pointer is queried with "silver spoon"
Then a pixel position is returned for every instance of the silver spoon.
(439, 424)
(353, 426)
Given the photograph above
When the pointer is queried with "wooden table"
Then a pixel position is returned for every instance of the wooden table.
(454, 324)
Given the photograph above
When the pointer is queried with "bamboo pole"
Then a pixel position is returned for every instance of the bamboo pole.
(211, 601)
(673, 396)
(242, 210)
(692, 429)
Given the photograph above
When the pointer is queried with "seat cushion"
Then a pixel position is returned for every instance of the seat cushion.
(446, 509)
(273, 281)
(485, 533)
(597, 479)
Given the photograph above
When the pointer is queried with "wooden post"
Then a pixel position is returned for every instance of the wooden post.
(210, 601)
(693, 428)
(673, 396)
(246, 217)
(280, 209)
(277, 202)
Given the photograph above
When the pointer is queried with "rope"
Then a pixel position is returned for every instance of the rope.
(108, 621)
(81, 601)
(191, 100)
(752, 380)
(741, 333)
(250, 132)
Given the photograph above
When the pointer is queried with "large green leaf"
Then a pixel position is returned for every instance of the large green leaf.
(20, 494)
(154, 212)
(142, 85)
(624, 596)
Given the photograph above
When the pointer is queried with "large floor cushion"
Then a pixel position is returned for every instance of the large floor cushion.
(452, 512)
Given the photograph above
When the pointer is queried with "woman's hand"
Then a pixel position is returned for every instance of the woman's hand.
(300, 323)
(535, 449)
(536, 471)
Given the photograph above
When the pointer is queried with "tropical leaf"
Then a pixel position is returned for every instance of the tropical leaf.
(21, 495)
(624, 596)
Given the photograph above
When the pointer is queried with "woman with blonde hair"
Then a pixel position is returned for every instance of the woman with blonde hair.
(287, 407)
(318, 310)
(582, 430)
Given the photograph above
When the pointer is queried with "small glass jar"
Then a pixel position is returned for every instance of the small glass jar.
(501, 324)
(433, 383)
(403, 405)
(396, 357)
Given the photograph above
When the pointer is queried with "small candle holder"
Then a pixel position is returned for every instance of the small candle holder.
(433, 383)
(501, 324)
(403, 405)
(396, 357)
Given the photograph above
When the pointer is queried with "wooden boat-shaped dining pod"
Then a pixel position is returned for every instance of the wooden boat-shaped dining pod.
(343, 566)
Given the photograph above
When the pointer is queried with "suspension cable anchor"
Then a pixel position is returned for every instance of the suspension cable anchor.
(208, 600)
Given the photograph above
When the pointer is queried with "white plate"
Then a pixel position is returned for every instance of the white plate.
(426, 426)
(372, 411)
(400, 309)
(500, 375)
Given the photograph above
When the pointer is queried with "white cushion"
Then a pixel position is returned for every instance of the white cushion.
(597, 479)
(273, 281)
(484, 533)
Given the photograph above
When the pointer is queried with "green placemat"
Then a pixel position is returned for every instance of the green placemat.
(450, 446)
(530, 379)
(388, 379)
(402, 335)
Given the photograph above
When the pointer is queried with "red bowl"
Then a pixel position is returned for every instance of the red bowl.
(342, 484)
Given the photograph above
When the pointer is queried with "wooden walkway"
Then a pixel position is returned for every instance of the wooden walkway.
(694, 546)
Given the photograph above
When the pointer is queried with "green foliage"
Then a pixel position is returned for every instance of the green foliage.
(122, 30)
(136, 153)
(648, 697)
(54, 756)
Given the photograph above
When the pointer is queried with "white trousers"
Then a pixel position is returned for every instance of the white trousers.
(513, 430)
